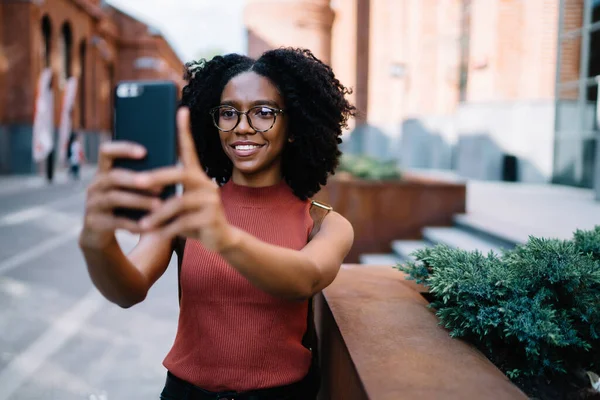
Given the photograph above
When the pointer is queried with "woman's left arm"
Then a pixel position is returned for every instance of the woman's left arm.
(291, 273)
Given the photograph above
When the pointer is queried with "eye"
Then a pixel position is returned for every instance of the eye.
(264, 112)
(227, 113)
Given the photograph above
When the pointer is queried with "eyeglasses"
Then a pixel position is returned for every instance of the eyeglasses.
(260, 118)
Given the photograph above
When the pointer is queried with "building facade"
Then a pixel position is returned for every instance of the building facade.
(97, 44)
(465, 85)
(577, 144)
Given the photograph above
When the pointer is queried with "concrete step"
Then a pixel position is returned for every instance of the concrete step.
(404, 248)
(504, 234)
(460, 239)
(379, 259)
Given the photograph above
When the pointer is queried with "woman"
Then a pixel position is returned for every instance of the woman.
(257, 139)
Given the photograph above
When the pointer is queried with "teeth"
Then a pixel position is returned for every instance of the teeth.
(246, 147)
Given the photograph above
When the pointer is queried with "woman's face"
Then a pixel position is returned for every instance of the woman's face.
(256, 156)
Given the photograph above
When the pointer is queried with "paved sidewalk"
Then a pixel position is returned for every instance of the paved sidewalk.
(10, 184)
(518, 210)
(552, 211)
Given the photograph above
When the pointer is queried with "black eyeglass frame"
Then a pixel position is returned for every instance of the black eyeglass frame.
(276, 112)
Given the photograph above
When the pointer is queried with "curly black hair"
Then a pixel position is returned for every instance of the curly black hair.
(315, 103)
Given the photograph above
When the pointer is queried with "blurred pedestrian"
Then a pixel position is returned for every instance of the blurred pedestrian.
(74, 155)
(50, 167)
(257, 140)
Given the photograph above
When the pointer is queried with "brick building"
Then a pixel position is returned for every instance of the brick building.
(87, 39)
(465, 85)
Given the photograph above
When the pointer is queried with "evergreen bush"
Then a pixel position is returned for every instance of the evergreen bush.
(588, 242)
(534, 310)
(365, 167)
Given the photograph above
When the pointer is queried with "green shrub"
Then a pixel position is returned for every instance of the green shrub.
(588, 242)
(534, 310)
(364, 167)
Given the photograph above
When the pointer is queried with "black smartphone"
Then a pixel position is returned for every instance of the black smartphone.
(144, 113)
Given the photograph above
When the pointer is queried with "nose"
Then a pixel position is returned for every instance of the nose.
(244, 127)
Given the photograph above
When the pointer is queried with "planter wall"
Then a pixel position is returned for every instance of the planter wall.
(379, 341)
(381, 212)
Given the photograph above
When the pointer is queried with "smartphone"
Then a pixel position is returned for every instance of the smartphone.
(144, 113)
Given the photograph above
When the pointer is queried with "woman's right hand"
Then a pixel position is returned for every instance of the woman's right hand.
(113, 188)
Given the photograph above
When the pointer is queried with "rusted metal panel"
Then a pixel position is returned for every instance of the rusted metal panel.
(380, 341)
(381, 212)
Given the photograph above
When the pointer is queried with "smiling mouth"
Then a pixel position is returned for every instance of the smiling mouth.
(246, 150)
(247, 147)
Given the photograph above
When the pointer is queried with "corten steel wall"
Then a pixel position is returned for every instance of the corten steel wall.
(105, 43)
(378, 340)
(297, 23)
(381, 212)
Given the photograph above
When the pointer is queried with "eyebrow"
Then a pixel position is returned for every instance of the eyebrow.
(255, 103)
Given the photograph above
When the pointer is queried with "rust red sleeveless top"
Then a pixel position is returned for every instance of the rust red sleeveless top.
(231, 335)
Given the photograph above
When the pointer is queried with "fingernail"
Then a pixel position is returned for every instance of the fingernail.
(139, 151)
(156, 203)
(144, 223)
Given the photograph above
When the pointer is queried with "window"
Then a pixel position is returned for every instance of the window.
(46, 41)
(66, 50)
(577, 93)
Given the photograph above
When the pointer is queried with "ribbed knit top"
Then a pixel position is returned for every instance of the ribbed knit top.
(232, 335)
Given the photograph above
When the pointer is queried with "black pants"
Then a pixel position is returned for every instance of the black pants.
(75, 171)
(178, 389)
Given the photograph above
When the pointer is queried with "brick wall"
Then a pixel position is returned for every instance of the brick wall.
(570, 48)
(403, 57)
(144, 53)
(512, 50)
(21, 62)
(344, 35)
(414, 58)
(3, 66)
(112, 43)
(111, 48)
(59, 12)
(363, 42)
(299, 23)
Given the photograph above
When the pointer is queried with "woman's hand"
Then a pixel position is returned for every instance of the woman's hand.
(198, 213)
(110, 189)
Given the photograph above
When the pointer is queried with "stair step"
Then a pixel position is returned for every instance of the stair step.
(506, 235)
(460, 239)
(404, 248)
(379, 259)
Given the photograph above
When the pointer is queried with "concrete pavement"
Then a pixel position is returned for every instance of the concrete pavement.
(59, 339)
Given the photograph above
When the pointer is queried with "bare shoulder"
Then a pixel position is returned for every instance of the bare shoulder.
(335, 223)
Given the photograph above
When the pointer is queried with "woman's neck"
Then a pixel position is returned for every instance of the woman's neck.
(268, 178)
